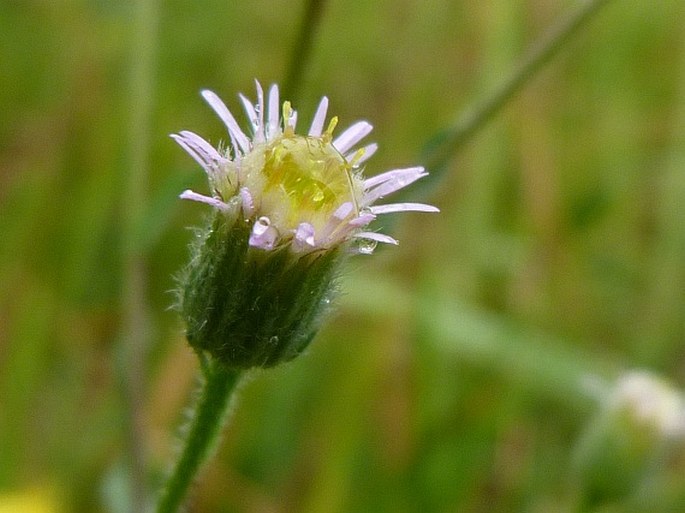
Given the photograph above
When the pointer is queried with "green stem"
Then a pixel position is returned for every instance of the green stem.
(447, 143)
(302, 49)
(135, 315)
(210, 416)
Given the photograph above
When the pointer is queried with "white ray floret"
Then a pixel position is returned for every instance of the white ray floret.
(263, 235)
(203, 152)
(272, 129)
(389, 182)
(319, 118)
(378, 237)
(214, 202)
(352, 136)
(365, 154)
(252, 115)
(195, 152)
(233, 129)
(402, 207)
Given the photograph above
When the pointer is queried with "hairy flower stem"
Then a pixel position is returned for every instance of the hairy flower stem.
(209, 419)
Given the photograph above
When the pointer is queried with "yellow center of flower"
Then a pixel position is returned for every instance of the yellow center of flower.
(302, 179)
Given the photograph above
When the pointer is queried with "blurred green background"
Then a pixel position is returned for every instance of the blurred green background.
(454, 376)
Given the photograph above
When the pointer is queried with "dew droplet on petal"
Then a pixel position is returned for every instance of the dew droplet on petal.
(366, 246)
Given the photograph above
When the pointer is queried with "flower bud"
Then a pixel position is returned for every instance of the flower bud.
(629, 437)
(287, 209)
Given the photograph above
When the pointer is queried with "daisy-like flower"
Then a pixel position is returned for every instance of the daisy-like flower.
(287, 208)
(303, 191)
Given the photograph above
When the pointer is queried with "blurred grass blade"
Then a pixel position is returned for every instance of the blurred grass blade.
(302, 49)
(135, 316)
(660, 331)
(530, 359)
(442, 147)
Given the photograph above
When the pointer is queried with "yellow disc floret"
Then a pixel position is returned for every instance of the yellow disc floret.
(300, 179)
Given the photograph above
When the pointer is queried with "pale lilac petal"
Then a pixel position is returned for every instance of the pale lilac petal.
(390, 175)
(362, 220)
(203, 153)
(378, 237)
(274, 113)
(250, 112)
(263, 235)
(207, 149)
(247, 201)
(212, 158)
(259, 107)
(343, 230)
(261, 226)
(194, 196)
(304, 237)
(292, 122)
(305, 233)
(403, 207)
(319, 118)
(343, 210)
(255, 117)
(340, 214)
(352, 136)
(387, 183)
(233, 129)
(367, 153)
(192, 152)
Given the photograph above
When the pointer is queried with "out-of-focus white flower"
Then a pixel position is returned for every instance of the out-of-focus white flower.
(626, 445)
(650, 401)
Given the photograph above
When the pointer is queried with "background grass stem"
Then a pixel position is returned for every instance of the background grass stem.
(136, 321)
(447, 143)
(302, 49)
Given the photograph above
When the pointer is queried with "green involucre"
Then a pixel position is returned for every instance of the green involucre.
(253, 308)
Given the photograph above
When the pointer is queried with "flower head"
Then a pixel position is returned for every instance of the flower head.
(627, 444)
(651, 402)
(306, 192)
(287, 207)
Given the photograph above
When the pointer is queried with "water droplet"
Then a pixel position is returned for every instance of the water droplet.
(366, 246)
